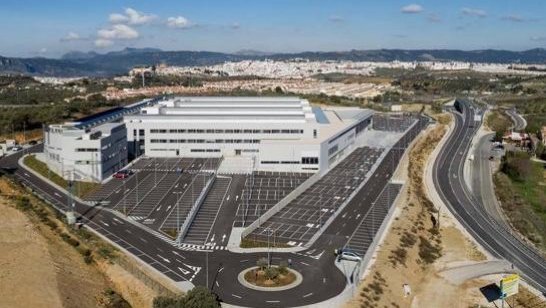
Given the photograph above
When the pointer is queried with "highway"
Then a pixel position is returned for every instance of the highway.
(495, 237)
(218, 269)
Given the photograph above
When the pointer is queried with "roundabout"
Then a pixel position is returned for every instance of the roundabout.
(273, 278)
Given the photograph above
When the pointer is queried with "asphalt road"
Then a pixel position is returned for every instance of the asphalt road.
(218, 269)
(493, 236)
(519, 121)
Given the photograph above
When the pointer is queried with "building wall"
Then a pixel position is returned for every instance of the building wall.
(68, 151)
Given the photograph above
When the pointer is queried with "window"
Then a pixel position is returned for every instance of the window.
(309, 160)
(315, 133)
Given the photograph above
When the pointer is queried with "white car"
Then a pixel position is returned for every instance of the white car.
(345, 254)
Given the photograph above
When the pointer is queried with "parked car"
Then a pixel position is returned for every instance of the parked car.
(33, 142)
(346, 254)
(16, 148)
(122, 174)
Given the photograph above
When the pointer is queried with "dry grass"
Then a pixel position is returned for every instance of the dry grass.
(84, 265)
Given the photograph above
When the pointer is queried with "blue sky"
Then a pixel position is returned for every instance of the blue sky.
(51, 28)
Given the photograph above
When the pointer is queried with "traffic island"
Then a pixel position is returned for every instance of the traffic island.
(272, 278)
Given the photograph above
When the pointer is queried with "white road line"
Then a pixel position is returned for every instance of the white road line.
(272, 301)
(217, 283)
(236, 296)
(304, 263)
(243, 261)
(102, 222)
(163, 258)
(307, 295)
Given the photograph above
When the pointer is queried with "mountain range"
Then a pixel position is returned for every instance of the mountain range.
(77, 63)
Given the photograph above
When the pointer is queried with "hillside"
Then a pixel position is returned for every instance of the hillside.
(119, 62)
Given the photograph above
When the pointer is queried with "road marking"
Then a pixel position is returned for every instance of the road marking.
(181, 256)
(145, 241)
(217, 283)
(168, 208)
(128, 231)
(185, 272)
(307, 295)
(272, 301)
(236, 296)
(158, 208)
(304, 263)
(27, 175)
(243, 261)
(219, 271)
(57, 194)
(163, 258)
(102, 222)
(117, 220)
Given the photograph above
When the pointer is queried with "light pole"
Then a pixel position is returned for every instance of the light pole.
(177, 193)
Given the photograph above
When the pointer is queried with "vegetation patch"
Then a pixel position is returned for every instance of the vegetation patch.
(198, 297)
(272, 276)
(253, 243)
(520, 186)
(80, 189)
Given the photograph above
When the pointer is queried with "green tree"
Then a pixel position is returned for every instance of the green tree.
(198, 297)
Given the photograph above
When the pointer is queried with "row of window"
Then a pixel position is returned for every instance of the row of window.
(87, 150)
(304, 161)
(309, 160)
(226, 131)
(205, 150)
(204, 141)
(274, 162)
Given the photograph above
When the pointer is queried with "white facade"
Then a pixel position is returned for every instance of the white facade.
(278, 133)
(85, 154)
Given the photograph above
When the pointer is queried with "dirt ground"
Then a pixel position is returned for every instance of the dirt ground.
(399, 261)
(39, 269)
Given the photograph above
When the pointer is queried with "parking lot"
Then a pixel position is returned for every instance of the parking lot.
(161, 191)
(263, 190)
(392, 122)
(298, 221)
(364, 234)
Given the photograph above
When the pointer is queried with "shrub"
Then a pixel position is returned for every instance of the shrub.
(262, 263)
(271, 273)
(427, 251)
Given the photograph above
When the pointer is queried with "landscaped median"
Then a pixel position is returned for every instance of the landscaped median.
(80, 189)
(267, 277)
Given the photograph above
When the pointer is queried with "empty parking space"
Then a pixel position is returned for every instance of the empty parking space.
(263, 190)
(368, 227)
(393, 123)
(298, 221)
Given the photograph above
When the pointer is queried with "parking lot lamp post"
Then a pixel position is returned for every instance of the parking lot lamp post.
(177, 193)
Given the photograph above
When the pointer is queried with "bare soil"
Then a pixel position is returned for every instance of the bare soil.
(40, 269)
(402, 258)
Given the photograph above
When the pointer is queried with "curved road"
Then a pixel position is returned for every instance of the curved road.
(495, 237)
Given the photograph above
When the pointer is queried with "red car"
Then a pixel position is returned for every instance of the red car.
(122, 174)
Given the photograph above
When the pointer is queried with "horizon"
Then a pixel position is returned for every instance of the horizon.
(265, 53)
(273, 27)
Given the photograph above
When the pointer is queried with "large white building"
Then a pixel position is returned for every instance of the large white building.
(85, 154)
(277, 133)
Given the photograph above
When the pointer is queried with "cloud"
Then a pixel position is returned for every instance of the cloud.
(538, 38)
(235, 26)
(336, 19)
(71, 36)
(42, 50)
(412, 9)
(178, 22)
(118, 32)
(132, 17)
(103, 43)
(514, 18)
(473, 12)
(434, 18)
